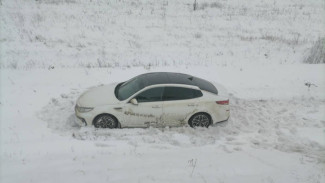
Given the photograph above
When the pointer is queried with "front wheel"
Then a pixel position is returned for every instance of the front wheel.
(200, 120)
(105, 121)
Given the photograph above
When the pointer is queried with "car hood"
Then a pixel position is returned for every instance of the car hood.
(97, 96)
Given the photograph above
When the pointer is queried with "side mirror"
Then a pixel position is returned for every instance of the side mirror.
(134, 101)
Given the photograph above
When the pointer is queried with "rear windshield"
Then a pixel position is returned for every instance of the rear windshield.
(205, 85)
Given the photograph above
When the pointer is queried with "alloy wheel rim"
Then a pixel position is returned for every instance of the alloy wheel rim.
(200, 120)
(106, 122)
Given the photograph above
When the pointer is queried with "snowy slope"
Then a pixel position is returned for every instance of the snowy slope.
(101, 33)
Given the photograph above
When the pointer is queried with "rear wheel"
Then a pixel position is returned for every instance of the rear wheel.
(105, 121)
(200, 120)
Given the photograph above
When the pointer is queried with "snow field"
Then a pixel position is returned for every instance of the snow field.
(100, 33)
(53, 50)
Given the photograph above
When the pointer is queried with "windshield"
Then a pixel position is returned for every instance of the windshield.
(129, 88)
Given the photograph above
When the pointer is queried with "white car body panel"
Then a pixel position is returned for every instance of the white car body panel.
(217, 112)
(176, 112)
(142, 115)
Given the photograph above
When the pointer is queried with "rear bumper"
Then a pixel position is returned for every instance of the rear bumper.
(221, 121)
(222, 113)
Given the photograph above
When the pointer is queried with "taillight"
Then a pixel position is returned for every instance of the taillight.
(223, 102)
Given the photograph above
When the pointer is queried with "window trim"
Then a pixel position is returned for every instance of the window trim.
(164, 86)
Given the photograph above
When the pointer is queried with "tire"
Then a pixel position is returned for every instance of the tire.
(200, 120)
(105, 121)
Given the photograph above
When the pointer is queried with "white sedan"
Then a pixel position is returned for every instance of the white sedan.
(156, 99)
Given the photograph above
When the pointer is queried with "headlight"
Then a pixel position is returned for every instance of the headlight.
(83, 109)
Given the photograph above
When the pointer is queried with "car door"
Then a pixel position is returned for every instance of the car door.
(148, 111)
(179, 103)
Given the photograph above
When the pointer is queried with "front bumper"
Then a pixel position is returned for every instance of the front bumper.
(85, 118)
(81, 121)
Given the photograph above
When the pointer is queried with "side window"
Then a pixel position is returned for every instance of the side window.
(197, 93)
(150, 95)
(179, 93)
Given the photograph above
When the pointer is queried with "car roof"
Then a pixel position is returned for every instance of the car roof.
(155, 78)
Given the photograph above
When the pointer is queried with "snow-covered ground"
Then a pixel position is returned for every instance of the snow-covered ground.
(102, 33)
(276, 132)
(53, 50)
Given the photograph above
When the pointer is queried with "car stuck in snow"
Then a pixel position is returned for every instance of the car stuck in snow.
(155, 99)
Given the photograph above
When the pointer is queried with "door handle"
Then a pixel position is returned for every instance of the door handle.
(156, 106)
(190, 104)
